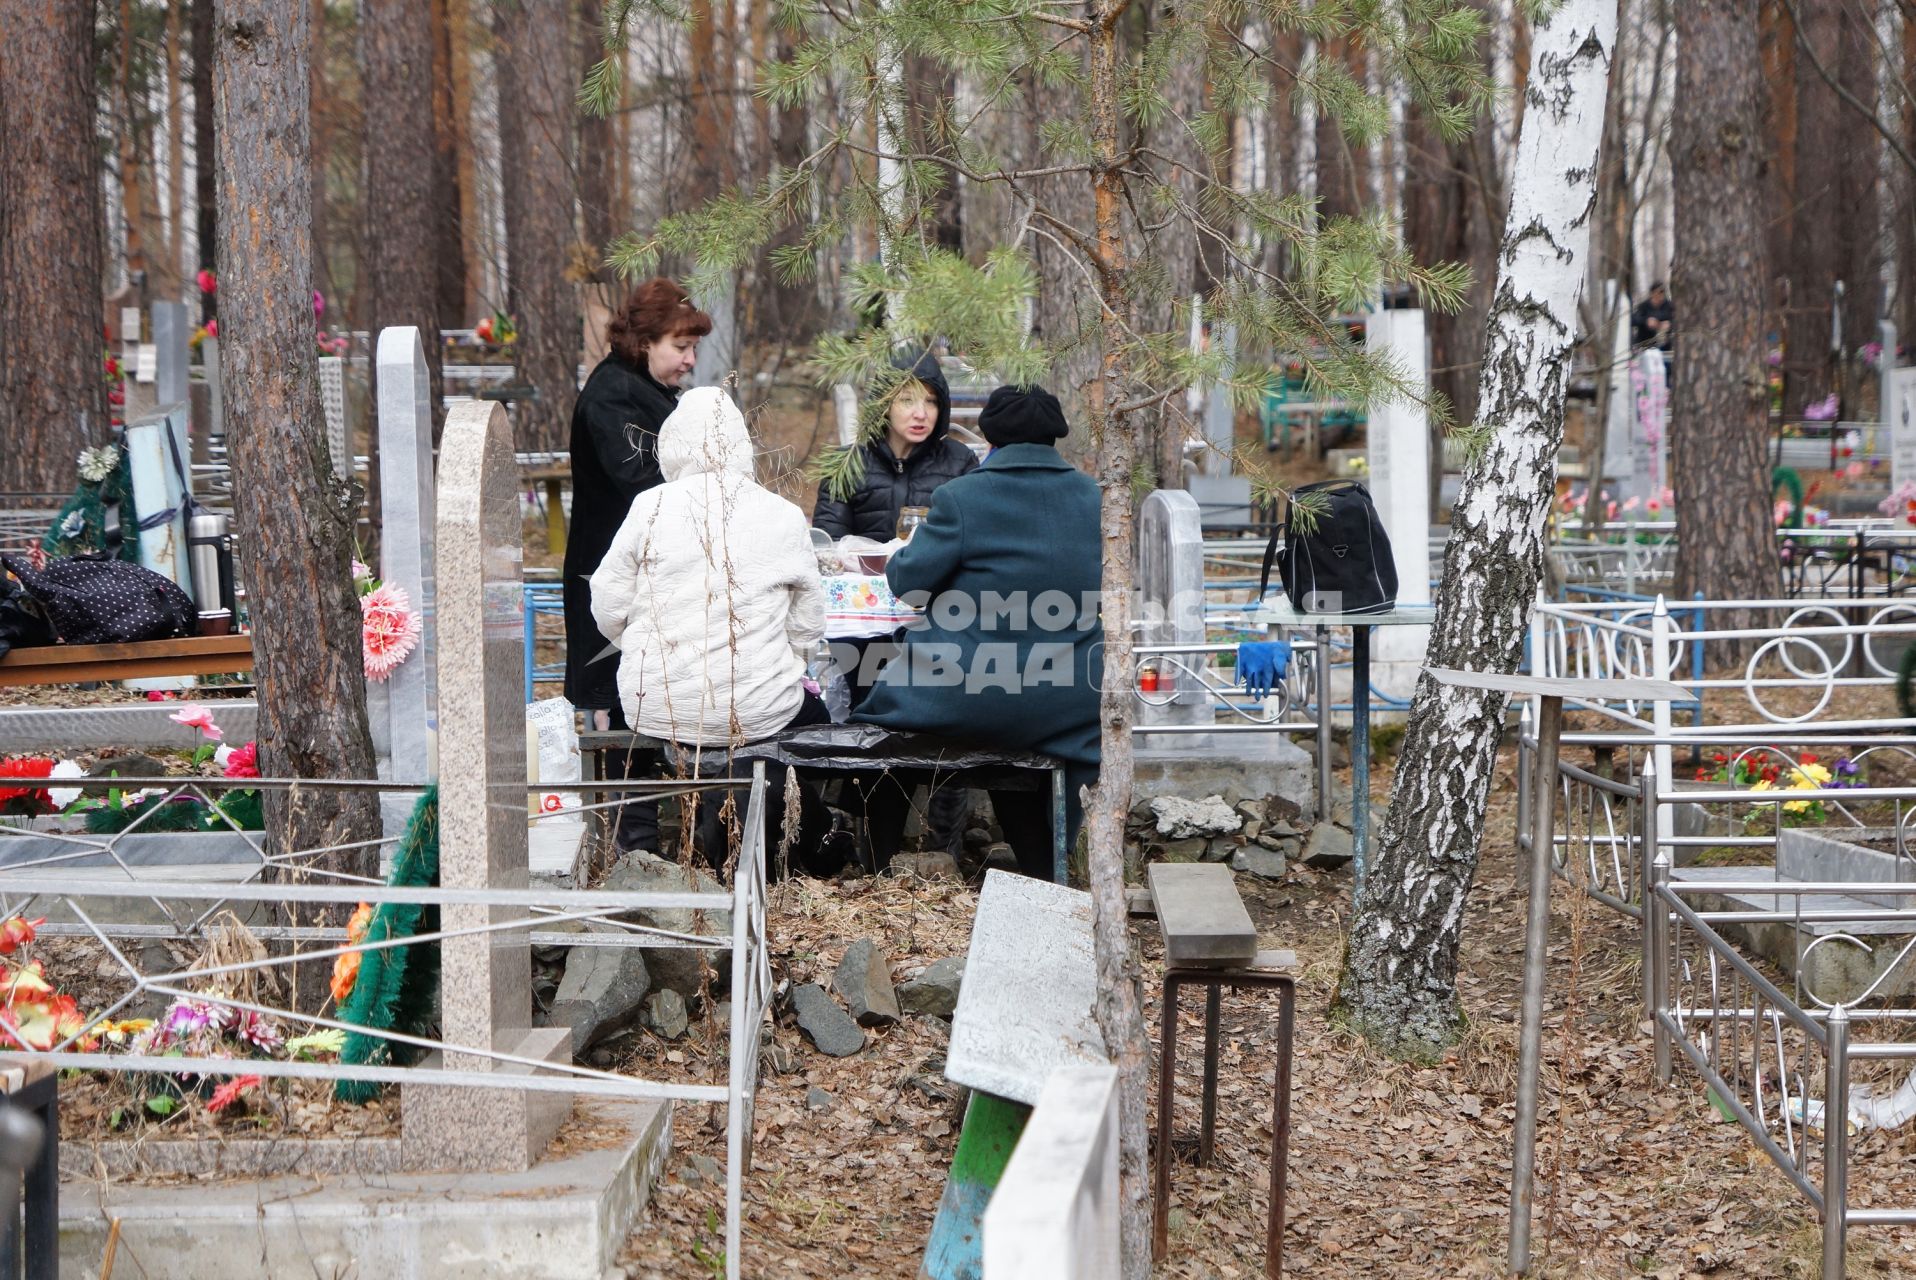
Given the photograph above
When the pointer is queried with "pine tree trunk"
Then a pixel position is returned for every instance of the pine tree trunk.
(402, 159)
(175, 154)
(294, 517)
(133, 182)
(1399, 983)
(541, 229)
(205, 158)
(449, 154)
(52, 392)
(1816, 258)
(1776, 41)
(1859, 197)
(1120, 1004)
(1719, 413)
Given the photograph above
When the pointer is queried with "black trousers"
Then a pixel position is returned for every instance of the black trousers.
(811, 851)
(1024, 816)
(637, 824)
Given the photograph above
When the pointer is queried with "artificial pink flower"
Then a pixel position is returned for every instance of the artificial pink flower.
(389, 630)
(243, 762)
(319, 304)
(1823, 410)
(208, 282)
(194, 716)
(212, 328)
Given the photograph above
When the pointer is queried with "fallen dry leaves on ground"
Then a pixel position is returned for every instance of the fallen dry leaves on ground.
(1395, 1169)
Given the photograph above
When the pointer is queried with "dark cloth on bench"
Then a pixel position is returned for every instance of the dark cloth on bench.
(1019, 781)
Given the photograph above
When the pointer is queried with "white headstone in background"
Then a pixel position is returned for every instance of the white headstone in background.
(845, 403)
(332, 399)
(131, 329)
(1878, 447)
(1397, 454)
(1902, 427)
(1622, 411)
(1650, 440)
(172, 331)
(1171, 582)
(1220, 415)
(146, 362)
(406, 544)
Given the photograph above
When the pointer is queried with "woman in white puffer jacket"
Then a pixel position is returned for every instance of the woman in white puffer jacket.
(711, 590)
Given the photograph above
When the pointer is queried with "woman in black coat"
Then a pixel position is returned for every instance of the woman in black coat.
(902, 467)
(654, 343)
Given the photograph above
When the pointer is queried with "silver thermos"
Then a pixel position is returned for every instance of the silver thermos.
(211, 556)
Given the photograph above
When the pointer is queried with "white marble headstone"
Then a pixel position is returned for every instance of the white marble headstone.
(1026, 1006)
(406, 506)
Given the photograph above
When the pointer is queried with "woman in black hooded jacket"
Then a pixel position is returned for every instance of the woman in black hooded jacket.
(902, 467)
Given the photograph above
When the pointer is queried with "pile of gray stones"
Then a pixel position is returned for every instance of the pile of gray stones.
(1260, 836)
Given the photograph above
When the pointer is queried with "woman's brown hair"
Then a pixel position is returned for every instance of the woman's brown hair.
(657, 309)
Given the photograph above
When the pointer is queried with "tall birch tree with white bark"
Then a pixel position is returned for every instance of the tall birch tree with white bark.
(1399, 986)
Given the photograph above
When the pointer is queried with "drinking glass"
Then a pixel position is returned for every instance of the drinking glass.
(909, 518)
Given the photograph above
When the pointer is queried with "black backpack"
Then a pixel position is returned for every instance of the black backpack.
(1343, 563)
(96, 600)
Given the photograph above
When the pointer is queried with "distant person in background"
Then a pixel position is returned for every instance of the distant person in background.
(654, 342)
(1652, 322)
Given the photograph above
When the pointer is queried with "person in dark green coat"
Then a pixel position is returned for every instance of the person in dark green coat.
(1008, 567)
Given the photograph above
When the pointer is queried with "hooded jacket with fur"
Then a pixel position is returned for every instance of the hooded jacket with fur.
(710, 590)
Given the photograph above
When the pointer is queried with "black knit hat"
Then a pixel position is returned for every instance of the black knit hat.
(1022, 415)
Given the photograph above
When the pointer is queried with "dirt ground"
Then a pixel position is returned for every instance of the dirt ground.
(1395, 1170)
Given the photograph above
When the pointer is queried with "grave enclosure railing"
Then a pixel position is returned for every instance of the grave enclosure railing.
(84, 880)
(1631, 559)
(1630, 827)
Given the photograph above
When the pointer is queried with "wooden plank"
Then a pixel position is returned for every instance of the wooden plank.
(1633, 689)
(1202, 915)
(83, 663)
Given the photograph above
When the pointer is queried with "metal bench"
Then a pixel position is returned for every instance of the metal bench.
(1209, 941)
(84, 663)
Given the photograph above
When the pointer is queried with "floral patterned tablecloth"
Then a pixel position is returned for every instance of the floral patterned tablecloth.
(861, 606)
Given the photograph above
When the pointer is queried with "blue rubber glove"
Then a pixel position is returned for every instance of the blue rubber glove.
(1261, 666)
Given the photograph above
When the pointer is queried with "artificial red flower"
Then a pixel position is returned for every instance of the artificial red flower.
(33, 800)
(207, 281)
(227, 1094)
(1720, 758)
(17, 932)
(112, 367)
(1769, 773)
(1806, 758)
(1702, 775)
(243, 762)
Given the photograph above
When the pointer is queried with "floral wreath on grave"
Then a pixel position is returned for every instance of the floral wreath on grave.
(391, 988)
(105, 478)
